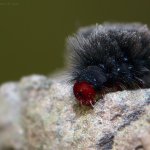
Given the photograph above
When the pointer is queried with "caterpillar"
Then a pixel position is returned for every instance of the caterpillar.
(109, 56)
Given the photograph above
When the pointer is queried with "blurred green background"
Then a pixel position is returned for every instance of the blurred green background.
(33, 32)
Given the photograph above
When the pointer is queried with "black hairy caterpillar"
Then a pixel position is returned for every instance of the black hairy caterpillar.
(109, 56)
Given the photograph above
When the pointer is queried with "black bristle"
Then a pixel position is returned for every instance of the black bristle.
(108, 54)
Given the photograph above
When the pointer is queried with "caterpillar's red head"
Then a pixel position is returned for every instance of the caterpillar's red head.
(85, 93)
(88, 83)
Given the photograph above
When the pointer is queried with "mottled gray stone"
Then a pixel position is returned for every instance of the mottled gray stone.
(40, 113)
(11, 131)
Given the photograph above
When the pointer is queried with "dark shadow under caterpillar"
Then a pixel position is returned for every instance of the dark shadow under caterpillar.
(109, 57)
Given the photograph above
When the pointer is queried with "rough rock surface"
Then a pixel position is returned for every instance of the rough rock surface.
(40, 113)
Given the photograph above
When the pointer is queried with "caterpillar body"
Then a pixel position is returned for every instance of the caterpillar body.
(109, 56)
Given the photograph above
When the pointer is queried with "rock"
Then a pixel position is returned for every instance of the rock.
(11, 131)
(40, 113)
